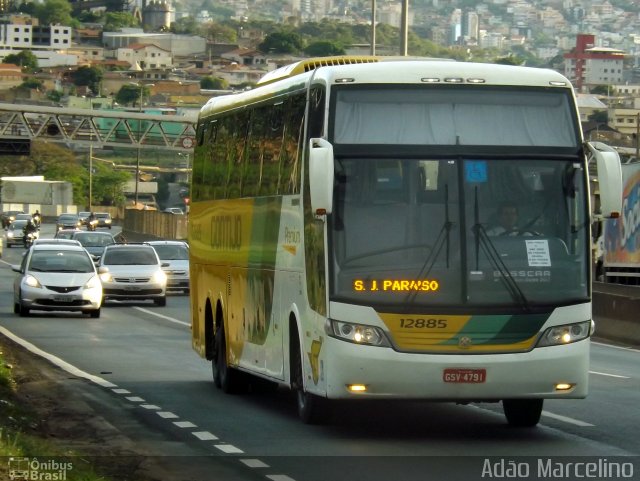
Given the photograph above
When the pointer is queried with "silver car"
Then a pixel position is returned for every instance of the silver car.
(133, 272)
(176, 255)
(57, 277)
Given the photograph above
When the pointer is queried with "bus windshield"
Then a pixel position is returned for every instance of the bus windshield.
(459, 232)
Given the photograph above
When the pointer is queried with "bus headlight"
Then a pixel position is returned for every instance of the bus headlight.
(565, 334)
(357, 333)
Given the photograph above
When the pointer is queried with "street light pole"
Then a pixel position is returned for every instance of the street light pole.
(135, 206)
(91, 156)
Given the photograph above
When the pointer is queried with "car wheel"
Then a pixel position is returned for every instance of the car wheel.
(312, 409)
(522, 413)
(16, 308)
(161, 301)
(23, 311)
(230, 380)
(95, 314)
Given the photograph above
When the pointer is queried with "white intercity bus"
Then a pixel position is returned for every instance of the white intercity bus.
(343, 234)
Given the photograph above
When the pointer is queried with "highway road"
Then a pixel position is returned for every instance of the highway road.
(138, 357)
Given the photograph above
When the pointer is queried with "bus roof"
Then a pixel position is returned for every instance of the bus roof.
(377, 70)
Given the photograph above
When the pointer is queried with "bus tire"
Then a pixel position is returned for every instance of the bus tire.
(226, 378)
(522, 413)
(312, 409)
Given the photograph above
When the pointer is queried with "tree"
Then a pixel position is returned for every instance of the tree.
(32, 83)
(24, 59)
(52, 12)
(114, 21)
(324, 48)
(282, 42)
(186, 25)
(600, 90)
(210, 83)
(107, 185)
(88, 77)
(131, 94)
(218, 33)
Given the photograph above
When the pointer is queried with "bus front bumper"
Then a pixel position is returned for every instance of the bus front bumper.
(386, 373)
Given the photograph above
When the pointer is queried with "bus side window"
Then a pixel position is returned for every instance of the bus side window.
(316, 113)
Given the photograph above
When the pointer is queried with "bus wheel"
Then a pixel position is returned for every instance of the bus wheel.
(224, 377)
(311, 408)
(522, 413)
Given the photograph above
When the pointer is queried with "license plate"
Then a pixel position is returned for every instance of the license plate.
(472, 376)
(63, 298)
(132, 288)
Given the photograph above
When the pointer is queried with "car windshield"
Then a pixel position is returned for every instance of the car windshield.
(94, 240)
(18, 224)
(60, 261)
(172, 252)
(125, 257)
(68, 218)
(102, 216)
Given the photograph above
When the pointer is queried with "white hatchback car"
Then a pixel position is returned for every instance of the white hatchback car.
(133, 272)
(176, 255)
(57, 277)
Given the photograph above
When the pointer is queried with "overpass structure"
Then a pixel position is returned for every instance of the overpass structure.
(21, 124)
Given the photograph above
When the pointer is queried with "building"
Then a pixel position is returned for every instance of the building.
(587, 65)
(145, 56)
(48, 43)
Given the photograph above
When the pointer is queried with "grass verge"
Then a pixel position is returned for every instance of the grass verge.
(23, 449)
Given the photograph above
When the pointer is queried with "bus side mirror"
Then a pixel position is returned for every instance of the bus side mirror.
(609, 178)
(321, 176)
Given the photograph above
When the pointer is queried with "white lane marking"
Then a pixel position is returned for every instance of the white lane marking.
(150, 406)
(167, 415)
(121, 391)
(254, 463)
(615, 347)
(205, 436)
(71, 369)
(610, 375)
(228, 448)
(185, 424)
(566, 419)
(279, 477)
(135, 399)
(166, 318)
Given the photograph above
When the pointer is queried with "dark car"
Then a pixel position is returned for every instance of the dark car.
(104, 219)
(9, 216)
(94, 242)
(68, 221)
(65, 233)
(14, 234)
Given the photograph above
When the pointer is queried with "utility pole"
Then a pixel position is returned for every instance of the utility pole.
(638, 137)
(373, 27)
(404, 28)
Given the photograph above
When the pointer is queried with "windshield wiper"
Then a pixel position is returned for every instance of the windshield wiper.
(484, 241)
(441, 241)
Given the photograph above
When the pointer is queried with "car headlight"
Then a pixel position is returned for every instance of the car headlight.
(93, 283)
(106, 277)
(31, 281)
(566, 334)
(357, 333)
(9, 234)
(107, 221)
(159, 277)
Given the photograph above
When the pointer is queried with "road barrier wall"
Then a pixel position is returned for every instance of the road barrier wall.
(140, 225)
(616, 313)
